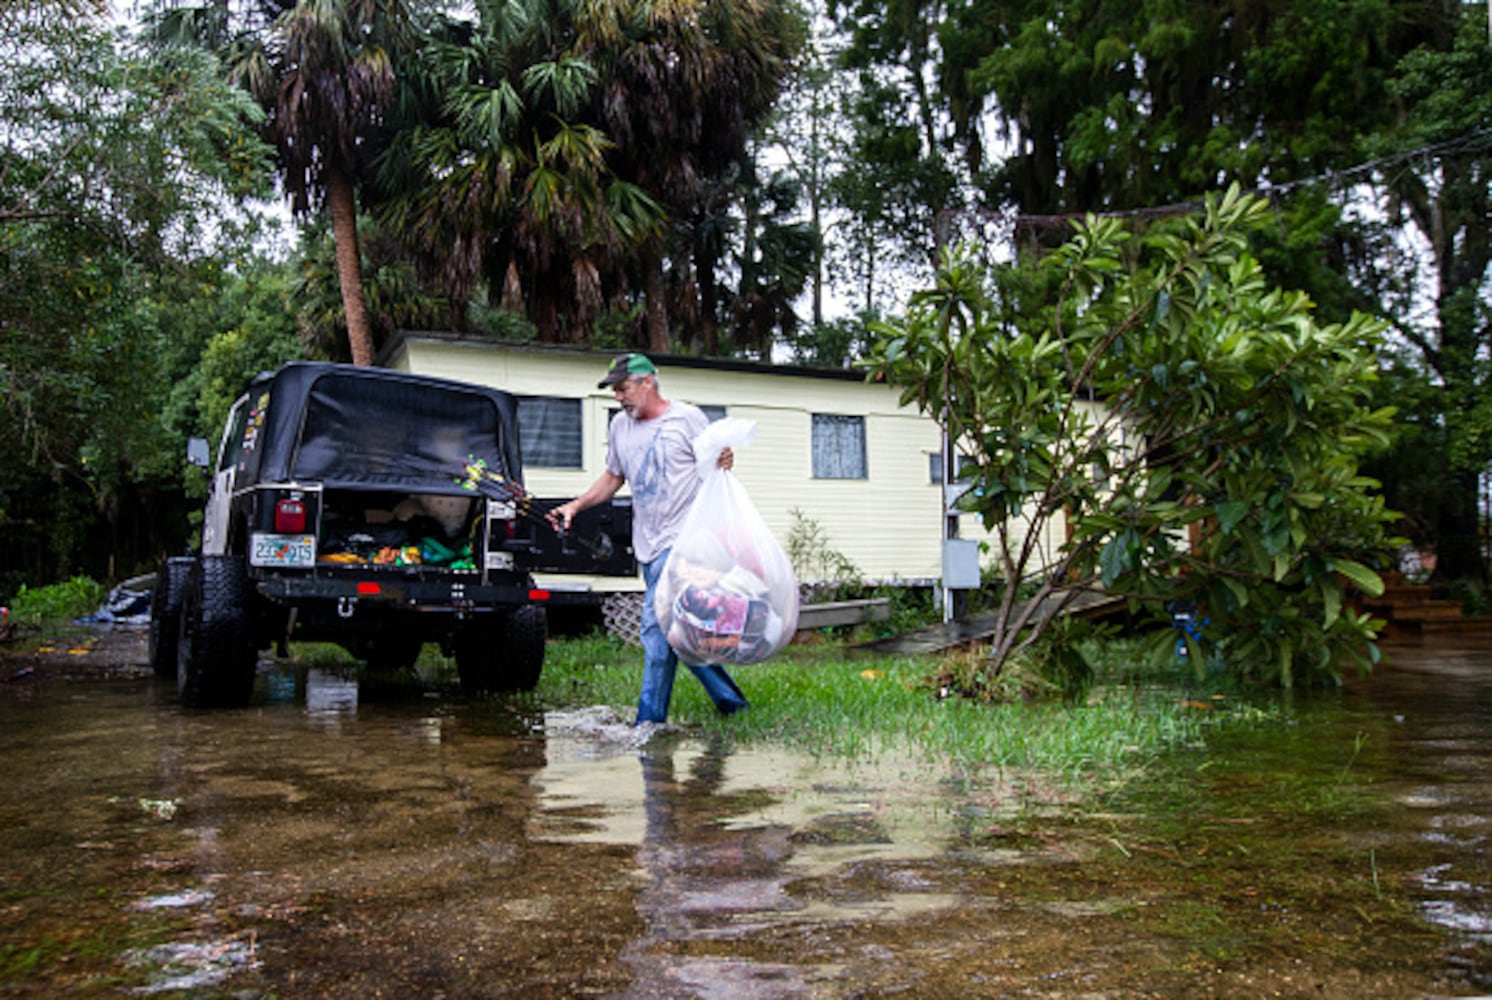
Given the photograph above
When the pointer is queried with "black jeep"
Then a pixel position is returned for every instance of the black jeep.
(378, 510)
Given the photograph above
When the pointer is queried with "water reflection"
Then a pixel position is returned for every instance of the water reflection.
(700, 878)
(601, 783)
(724, 839)
(1440, 702)
(330, 698)
(337, 839)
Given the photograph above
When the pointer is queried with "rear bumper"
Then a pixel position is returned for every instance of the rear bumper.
(390, 592)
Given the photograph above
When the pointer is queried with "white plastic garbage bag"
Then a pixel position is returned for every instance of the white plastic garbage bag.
(728, 593)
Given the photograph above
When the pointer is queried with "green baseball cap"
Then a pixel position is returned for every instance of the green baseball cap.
(625, 365)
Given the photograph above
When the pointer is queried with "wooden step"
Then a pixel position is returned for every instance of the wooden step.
(832, 613)
(1406, 593)
(1393, 631)
(1425, 611)
(1411, 614)
(1476, 631)
(1480, 625)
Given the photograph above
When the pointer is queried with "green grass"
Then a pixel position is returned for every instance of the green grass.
(827, 700)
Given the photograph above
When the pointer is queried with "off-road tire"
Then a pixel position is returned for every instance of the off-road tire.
(216, 654)
(506, 656)
(166, 599)
(387, 653)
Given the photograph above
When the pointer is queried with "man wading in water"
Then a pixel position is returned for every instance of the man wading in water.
(650, 445)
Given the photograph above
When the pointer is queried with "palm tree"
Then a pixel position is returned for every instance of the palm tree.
(323, 71)
(494, 175)
(687, 83)
(774, 262)
(544, 147)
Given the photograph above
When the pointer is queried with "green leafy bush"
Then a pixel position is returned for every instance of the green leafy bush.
(1181, 429)
(71, 599)
(815, 559)
(912, 608)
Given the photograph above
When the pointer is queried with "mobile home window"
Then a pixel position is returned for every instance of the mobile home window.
(838, 446)
(549, 431)
(935, 467)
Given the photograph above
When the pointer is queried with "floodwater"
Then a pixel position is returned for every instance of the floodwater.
(334, 842)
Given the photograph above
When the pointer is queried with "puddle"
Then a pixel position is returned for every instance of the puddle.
(173, 900)
(336, 841)
(190, 967)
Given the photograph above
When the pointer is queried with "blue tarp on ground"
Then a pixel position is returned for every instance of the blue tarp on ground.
(124, 607)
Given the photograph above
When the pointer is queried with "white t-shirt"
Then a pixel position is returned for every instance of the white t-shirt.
(656, 457)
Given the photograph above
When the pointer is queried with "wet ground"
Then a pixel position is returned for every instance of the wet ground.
(334, 842)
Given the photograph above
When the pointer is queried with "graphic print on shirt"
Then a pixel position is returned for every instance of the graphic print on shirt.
(650, 482)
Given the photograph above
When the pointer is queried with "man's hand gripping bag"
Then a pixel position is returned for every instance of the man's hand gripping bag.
(728, 594)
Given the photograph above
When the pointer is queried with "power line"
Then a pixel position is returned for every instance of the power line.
(1477, 140)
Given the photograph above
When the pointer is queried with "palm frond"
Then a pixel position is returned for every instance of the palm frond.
(565, 84)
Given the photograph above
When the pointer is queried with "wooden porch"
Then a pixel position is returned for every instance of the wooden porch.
(1413, 615)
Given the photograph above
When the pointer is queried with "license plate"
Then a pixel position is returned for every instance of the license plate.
(283, 550)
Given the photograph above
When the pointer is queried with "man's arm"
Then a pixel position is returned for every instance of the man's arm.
(602, 490)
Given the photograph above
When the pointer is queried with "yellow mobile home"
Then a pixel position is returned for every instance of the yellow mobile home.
(830, 448)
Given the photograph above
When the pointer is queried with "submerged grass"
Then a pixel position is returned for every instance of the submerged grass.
(829, 700)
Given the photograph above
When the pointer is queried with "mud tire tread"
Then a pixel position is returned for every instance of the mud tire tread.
(216, 654)
(392, 654)
(507, 658)
(166, 599)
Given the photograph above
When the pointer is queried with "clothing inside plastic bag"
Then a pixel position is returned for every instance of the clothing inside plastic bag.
(728, 594)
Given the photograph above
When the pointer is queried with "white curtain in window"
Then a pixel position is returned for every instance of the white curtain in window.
(838, 446)
(549, 431)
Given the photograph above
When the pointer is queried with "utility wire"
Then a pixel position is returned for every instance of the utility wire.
(1478, 140)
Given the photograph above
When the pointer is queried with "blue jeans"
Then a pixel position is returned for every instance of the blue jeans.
(660, 661)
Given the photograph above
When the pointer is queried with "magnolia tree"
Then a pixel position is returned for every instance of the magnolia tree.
(1188, 433)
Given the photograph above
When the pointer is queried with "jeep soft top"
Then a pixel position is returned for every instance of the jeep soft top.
(380, 510)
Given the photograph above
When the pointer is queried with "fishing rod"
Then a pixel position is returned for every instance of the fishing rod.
(480, 478)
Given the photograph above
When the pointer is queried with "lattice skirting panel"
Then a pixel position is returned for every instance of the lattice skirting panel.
(622, 612)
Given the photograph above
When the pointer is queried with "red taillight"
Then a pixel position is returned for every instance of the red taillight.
(368, 588)
(290, 517)
(538, 595)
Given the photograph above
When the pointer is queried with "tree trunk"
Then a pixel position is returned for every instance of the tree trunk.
(816, 217)
(657, 308)
(1458, 541)
(709, 302)
(340, 201)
